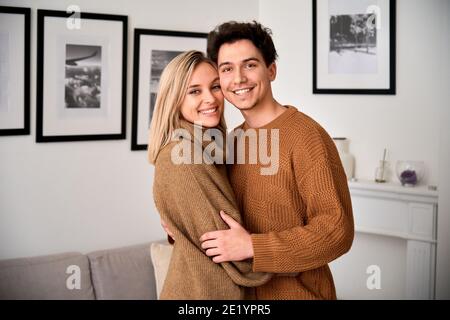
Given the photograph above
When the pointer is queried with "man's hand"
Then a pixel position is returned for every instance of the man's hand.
(234, 244)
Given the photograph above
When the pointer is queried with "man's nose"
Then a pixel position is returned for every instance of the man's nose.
(239, 76)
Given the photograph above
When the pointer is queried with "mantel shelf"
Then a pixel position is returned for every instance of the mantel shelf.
(394, 189)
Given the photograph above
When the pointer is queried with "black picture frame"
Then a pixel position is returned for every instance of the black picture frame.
(381, 82)
(83, 129)
(167, 43)
(24, 107)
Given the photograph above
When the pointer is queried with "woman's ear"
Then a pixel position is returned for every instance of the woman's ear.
(272, 71)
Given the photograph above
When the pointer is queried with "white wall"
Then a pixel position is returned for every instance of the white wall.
(84, 196)
(412, 124)
(443, 249)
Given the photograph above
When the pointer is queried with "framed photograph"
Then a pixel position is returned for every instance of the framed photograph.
(153, 50)
(81, 76)
(354, 43)
(14, 71)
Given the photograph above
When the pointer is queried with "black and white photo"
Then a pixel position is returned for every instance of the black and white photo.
(153, 50)
(354, 46)
(83, 75)
(159, 60)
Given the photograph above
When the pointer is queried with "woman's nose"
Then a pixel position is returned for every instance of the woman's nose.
(208, 97)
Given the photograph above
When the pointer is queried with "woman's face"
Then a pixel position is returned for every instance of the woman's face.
(203, 102)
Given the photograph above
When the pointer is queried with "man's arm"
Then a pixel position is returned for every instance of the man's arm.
(327, 234)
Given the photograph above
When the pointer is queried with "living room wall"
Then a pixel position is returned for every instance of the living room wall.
(84, 196)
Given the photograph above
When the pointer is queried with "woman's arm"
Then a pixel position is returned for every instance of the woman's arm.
(189, 198)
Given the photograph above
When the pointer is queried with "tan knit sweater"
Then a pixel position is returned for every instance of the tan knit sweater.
(189, 198)
(301, 218)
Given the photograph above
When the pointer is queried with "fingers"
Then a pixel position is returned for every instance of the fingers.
(218, 259)
(209, 236)
(229, 220)
(166, 229)
(209, 244)
(212, 252)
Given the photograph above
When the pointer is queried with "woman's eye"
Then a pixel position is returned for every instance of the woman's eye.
(194, 92)
(216, 87)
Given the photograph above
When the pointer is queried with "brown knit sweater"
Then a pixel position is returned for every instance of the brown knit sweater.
(300, 218)
(189, 198)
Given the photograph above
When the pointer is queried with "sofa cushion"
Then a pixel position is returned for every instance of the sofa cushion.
(161, 254)
(46, 277)
(123, 273)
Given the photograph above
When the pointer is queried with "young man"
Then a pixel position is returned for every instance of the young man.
(300, 218)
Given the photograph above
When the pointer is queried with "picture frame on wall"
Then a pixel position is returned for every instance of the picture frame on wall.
(14, 71)
(153, 50)
(354, 47)
(81, 76)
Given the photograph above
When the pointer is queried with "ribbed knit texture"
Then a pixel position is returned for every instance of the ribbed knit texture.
(300, 218)
(189, 198)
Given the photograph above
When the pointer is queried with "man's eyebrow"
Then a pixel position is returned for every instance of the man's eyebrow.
(251, 59)
(245, 60)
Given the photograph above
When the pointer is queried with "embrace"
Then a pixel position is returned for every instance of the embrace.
(240, 232)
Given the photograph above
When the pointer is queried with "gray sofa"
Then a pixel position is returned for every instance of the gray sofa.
(122, 273)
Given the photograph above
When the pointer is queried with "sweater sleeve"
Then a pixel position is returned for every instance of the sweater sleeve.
(328, 230)
(189, 199)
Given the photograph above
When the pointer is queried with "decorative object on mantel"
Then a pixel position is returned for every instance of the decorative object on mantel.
(382, 170)
(410, 172)
(348, 161)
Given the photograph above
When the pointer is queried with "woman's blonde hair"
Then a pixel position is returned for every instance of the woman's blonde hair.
(172, 90)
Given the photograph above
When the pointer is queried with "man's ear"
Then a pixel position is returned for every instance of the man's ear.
(272, 71)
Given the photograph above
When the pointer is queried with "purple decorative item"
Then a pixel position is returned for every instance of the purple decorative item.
(408, 177)
(410, 173)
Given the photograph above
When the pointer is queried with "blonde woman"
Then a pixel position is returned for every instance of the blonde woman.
(189, 193)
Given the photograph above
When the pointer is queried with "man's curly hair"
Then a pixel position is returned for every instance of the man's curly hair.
(232, 31)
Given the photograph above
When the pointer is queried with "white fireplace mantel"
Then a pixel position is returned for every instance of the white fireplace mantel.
(392, 210)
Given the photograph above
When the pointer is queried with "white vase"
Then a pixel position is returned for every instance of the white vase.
(347, 159)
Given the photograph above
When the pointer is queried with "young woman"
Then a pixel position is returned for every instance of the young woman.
(191, 184)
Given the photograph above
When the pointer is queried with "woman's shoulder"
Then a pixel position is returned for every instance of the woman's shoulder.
(164, 157)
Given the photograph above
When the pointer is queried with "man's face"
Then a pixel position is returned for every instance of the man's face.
(244, 77)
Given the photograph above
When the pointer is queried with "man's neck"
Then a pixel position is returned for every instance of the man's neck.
(261, 115)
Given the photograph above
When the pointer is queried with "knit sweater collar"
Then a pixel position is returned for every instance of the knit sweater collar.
(277, 122)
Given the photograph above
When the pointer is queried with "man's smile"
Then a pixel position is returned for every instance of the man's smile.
(242, 91)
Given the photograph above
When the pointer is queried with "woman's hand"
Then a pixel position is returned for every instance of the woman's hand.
(167, 230)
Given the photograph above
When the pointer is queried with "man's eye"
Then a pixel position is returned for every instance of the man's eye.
(251, 65)
(216, 87)
(227, 69)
